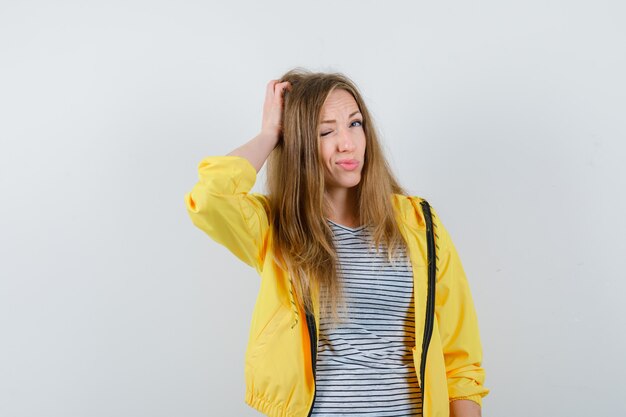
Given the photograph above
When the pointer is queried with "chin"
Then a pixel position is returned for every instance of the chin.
(343, 183)
(351, 184)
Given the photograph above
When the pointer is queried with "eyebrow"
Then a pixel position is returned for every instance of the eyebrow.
(334, 121)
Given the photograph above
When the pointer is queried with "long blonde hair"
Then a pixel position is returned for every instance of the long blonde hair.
(295, 182)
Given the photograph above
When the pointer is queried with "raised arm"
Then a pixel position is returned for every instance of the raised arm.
(221, 204)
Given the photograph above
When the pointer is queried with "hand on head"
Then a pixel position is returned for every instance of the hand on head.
(273, 107)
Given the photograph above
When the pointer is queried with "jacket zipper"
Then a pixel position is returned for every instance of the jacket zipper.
(430, 302)
(310, 322)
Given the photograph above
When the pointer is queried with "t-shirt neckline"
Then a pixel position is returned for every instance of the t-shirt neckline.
(352, 229)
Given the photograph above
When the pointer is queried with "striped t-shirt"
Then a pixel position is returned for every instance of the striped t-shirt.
(365, 366)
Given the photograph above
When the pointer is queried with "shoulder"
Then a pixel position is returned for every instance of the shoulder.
(410, 208)
(411, 211)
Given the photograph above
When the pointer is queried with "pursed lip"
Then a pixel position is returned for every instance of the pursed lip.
(348, 161)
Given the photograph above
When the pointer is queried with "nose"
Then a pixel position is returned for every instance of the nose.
(346, 142)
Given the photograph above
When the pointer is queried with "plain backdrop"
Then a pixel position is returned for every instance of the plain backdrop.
(509, 117)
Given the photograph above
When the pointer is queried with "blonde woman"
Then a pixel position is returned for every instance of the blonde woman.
(351, 317)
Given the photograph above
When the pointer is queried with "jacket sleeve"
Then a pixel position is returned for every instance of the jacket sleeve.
(221, 205)
(458, 323)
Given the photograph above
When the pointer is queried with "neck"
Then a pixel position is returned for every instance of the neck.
(343, 206)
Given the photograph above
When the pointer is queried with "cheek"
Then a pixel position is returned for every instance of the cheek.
(363, 144)
(326, 152)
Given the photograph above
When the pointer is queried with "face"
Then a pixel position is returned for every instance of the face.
(342, 140)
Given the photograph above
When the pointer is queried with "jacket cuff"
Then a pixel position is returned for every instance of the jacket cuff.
(476, 398)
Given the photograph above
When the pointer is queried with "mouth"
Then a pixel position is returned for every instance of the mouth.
(348, 164)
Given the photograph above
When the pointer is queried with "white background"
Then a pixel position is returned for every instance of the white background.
(509, 117)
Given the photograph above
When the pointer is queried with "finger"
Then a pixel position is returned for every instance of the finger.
(269, 94)
(280, 88)
(271, 85)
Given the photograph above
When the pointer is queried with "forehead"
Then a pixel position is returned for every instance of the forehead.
(339, 101)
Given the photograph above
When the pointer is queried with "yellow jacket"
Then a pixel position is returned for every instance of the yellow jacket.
(280, 356)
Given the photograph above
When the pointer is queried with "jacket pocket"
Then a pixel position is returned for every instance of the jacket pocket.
(279, 320)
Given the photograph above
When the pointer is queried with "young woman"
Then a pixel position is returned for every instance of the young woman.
(347, 320)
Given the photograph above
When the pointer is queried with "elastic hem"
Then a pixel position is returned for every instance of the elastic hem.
(266, 407)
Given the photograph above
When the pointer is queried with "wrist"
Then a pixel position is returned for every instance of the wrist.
(269, 137)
